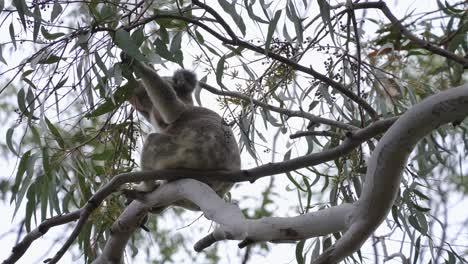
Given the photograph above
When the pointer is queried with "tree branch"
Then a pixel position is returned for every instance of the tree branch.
(232, 223)
(387, 163)
(291, 113)
(413, 38)
(19, 249)
(296, 66)
(354, 140)
(316, 133)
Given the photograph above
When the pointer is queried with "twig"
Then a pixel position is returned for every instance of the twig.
(413, 38)
(315, 133)
(20, 248)
(276, 109)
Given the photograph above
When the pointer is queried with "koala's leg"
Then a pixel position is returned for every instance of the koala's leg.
(159, 152)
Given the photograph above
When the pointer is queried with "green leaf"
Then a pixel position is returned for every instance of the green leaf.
(26, 73)
(43, 196)
(46, 161)
(414, 223)
(230, 8)
(1, 56)
(50, 36)
(138, 36)
(55, 133)
(26, 80)
(37, 22)
(21, 99)
(30, 206)
(420, 194)
(325, 14)
(104, 108)
(417, 247)
(9, 140)
(22, 167)
(22, 9)
(199, 37)
(299, 252)
(84, 188)
(251, 12)
(100, 63)
(293, 17)
(107, 154)
(271, 30)
(161, 50)
(50, 60)
(220, 70)
(12, 34)
(56, 10)
(121, 94)
(60, 84)
(176, 49)
(124, 41)
(164, 35)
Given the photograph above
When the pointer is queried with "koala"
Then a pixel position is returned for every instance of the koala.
(187, 136)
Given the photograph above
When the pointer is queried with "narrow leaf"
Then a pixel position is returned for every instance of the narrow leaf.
(50, 36)
(9, 140)
(37, 22)
(124, 41)
(271, 30)
(12, 34)
(1, 56)
(55, 133)
(230, 8)
(56, 10)
(220, 70)
(22, 10)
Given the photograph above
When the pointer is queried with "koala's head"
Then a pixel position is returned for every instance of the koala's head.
(184, 82)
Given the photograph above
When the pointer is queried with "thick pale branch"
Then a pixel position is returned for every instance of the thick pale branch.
(232, 224)
(387, 163)
(351, 142)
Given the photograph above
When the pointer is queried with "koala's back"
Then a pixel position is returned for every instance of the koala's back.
(199, 139)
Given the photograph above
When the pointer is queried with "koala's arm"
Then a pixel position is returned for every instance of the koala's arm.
(161, 93)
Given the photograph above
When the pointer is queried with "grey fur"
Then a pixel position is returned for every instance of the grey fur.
(189, 137)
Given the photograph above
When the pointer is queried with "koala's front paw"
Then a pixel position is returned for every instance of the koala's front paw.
(139, 192)
(147, 186)
(126, 59)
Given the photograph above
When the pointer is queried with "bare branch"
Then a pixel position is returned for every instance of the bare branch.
(351, 142)
(291, 113)
(315, 133)
(18, 251)
(296, 66)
